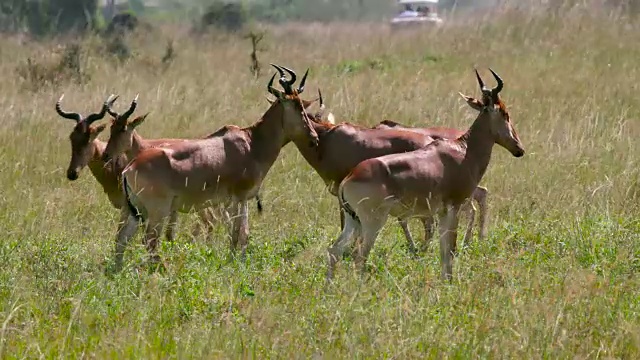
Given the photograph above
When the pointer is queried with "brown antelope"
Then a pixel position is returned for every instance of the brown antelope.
(345, 145)
(479, 194)
(224, 169)
(124, 139)
(437, 179)
(87, 150)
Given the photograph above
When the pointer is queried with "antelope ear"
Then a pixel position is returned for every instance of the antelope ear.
(473, 102)
(331, 119)
(97, 130)
(307, 103)
(391, 123)
(270, 101)
(137, 121)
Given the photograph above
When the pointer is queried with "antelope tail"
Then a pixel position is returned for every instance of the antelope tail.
(259, 203)
(345, 205)
(127, 194)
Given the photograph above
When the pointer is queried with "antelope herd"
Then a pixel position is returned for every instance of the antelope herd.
(389, 169)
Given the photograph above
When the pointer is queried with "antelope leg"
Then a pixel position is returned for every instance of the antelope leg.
(448, 234)
(127, 227)
(170, 231)
(407, 234)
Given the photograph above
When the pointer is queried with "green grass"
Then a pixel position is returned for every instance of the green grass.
(557, 276)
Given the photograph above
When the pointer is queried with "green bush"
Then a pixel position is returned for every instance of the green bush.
(12, 15)
(229, 16)
(46, 17)
(122, 23)
(54, 69)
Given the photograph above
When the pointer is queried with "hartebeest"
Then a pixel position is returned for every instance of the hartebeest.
(87, 150)
(437, 179)
(124, 139)
(345, 145)
(227, 168)
(479, 194)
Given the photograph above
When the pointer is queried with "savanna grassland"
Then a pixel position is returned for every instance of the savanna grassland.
(557, 277)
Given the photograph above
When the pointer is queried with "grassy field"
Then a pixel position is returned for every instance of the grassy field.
(556, 278)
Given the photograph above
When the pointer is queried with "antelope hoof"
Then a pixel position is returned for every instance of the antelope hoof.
(447, 277)
(332, 260)
(72, 175)
(155, 263)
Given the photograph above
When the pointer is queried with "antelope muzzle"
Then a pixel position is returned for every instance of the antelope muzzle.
(72, 174)
(519, 152)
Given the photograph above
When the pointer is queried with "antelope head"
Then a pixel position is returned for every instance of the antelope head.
(319, 114)
(493, 110)
(121, 137)
(295, 120)
(83, 135)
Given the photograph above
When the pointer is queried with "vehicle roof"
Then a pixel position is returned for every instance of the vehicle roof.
(402, 2)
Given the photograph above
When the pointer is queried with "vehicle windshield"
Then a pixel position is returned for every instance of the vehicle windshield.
(412, 10)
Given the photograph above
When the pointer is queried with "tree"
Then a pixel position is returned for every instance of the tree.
(12, 15)
(44, 17)
(229, 16)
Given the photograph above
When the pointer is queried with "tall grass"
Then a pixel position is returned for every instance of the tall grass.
(557, 276)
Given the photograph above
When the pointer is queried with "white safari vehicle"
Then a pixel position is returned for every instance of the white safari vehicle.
(416, 12)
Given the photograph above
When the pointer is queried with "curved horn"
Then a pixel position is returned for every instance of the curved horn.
(67, 115)
(132, 108)
(320, 113)
(292, 74)
(112, 99)
(279, 70)
(105, 107)
(113, 113)
(286, 84)
(277, 93)
(480, 82)
(283, 79)
(304, 79)
(498, 88)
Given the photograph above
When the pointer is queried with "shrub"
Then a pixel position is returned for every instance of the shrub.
(12, 15)
(227, 16)
(53, 71)
(122, 23)
(47, 17)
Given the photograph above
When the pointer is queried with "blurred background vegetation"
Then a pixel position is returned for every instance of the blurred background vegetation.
(41, 18)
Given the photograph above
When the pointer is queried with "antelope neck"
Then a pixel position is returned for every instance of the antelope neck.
(479, 142)
(137, 145)
(267, 136)
(104, 175)
(312, 153)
